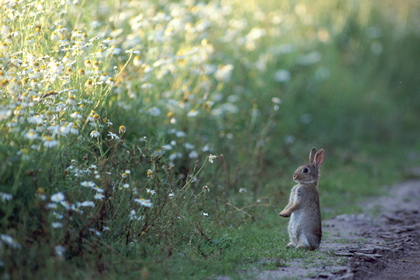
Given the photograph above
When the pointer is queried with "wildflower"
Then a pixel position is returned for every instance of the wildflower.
(193, 113)
(110, 81)
(151, 192)
(154, 111)
(281, 76)
(113, 135)
(206, 188)
(124, 175)
(167, 147)
(85, 204)
(137, 61)
(14, 86)
(74, 129)
(128, 171)
(98, 189)
(96, 117)
(89, 83)
(49, 142)
(224, 72)
(87, 184)
(67, 205)
(180, 134)
(76, 115)
(5, 196)
(193, 154)
(132, 51)
(149, 173)
(57, 225)
(58, 197)
(38, 119)
(9, 240)
(94, 134)
(242, 190)
(98, 196)
(58, 216)
(51, 206)
(205, 214)
(276, 100)
(212, 158)
(122, 129)
(189, 146)
(144, 202)
(31, 135)
(107, 121)
(126, 186)
(114, 50)
(59, 250)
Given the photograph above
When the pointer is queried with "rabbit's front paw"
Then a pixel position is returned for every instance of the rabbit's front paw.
(284, 214)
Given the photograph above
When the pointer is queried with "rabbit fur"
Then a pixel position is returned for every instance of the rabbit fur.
(304, 228)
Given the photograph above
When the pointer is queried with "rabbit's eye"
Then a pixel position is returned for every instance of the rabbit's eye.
(305, 170)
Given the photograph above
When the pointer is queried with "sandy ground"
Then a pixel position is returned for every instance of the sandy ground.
(382, 243)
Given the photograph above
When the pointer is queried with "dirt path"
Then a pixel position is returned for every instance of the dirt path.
(383, 243)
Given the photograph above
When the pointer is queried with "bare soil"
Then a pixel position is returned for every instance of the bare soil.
(382, 243)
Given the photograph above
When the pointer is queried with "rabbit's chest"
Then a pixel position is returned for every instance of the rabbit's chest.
(295, 219)
(295, 194)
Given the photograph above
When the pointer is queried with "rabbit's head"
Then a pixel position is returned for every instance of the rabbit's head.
(309, 173)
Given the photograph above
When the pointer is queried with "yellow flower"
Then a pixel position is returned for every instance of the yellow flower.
(122, 129)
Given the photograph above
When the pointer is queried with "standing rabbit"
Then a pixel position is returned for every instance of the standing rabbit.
(304, 228)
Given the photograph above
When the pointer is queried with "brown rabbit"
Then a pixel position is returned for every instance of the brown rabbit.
(304, 228)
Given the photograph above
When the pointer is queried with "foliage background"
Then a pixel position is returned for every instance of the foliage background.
(158, 138)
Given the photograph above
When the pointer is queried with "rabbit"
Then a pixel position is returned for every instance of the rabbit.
(304, 228)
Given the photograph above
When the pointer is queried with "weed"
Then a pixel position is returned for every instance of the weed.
(147, 139)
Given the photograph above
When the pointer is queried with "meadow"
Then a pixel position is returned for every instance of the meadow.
(157, 139)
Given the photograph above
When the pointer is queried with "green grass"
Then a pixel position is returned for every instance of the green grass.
(155, 140)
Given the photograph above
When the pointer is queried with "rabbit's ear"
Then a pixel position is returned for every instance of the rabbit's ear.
(319, 158)
(312, 155)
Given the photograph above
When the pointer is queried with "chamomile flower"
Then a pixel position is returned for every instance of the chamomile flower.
(99, 196)
(59, 250)
(49, 142)
(5, 196)
(94, 134)
(122, 129)
(144, 202)
(113, 135)
(212, 158)
(149, 191)
(31, 135)
(58, 197)
(7, 239)
(76, 115)
(85, 204)
(57, 225)
(88, 184)
(132, 51)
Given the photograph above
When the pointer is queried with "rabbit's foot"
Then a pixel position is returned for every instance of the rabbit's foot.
(303, 246)
(290, 245)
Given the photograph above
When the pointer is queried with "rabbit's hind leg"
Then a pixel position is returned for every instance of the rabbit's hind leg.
(308, 242)
(303, 242)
